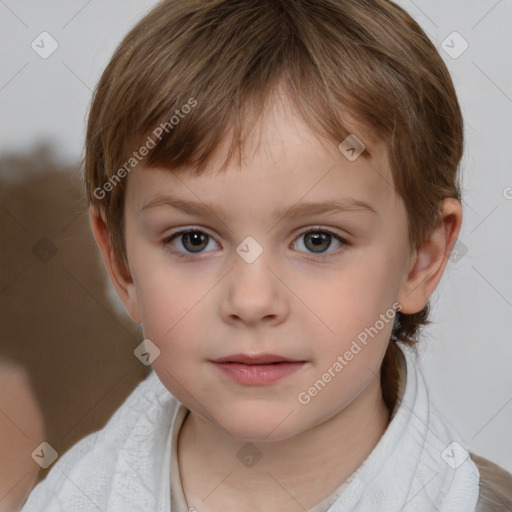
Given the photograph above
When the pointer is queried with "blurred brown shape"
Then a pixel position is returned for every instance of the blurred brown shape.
(66, 349)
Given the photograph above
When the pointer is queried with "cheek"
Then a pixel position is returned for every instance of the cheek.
(357, 318)
(352, 300)
(347, 361)
(166, 305)
(172, 313)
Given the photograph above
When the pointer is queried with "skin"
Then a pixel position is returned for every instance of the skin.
(21, 431)
(290, 301)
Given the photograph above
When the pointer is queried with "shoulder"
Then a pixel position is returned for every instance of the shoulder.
(82, 478)
(495, 486)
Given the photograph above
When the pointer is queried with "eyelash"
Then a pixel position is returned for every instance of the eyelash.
(320, 256)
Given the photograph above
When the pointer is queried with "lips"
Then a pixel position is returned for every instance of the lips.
(257, 369)
(255, 359)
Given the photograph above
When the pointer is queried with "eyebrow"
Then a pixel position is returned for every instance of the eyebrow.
(299, 209)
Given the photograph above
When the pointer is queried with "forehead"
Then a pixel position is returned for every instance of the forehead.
(284, 162)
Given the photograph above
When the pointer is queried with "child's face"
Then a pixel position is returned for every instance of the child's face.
(301, 298)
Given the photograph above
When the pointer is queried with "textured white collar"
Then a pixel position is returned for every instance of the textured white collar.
(420, 464)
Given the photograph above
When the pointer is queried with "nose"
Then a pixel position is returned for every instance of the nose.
(254, 293)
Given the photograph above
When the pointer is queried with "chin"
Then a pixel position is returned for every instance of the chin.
(259, 424)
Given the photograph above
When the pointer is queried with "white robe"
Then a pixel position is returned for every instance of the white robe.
(420, 463)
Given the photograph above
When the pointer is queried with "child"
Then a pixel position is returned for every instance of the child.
(273, 189)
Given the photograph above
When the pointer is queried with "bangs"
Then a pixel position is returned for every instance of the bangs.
(252, 53)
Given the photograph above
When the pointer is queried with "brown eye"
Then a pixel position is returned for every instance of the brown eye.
(189, 242)
(319, 241)
(194, 241)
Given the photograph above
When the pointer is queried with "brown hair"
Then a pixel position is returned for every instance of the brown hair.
(368, 58)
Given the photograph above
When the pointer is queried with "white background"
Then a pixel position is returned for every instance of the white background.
(467, 353)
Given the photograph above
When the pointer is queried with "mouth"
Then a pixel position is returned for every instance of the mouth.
(258, 369)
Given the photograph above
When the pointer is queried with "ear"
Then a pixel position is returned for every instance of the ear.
(120, 276)
(427, 263)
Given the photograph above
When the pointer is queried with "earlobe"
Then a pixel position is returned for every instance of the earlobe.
(429, 261)
(119, 275)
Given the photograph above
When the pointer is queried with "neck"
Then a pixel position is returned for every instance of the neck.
(305, 468)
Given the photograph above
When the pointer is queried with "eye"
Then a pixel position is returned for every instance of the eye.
(319, 240)
(194, 241)
(190, 242)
